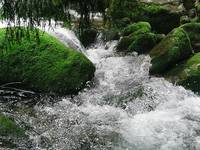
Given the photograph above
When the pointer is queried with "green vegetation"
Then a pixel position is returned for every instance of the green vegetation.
(193, 31)
(145, 26)
(8, 127)
(143, 43)
(138, 37)
(188, 73)
(47, 67)
(170, 51)
(162, 19)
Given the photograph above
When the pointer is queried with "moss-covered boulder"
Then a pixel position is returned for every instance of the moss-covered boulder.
(187, 74)
(138, 37)
(126, 41)
(162, 18)
(8, 127)
(143, 43)
(193, 31)
(46, 67)
(145, 26)
(170, 51)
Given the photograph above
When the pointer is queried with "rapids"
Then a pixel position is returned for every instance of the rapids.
(123, 108)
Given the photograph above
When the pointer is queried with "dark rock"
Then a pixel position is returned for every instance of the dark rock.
(173, 49)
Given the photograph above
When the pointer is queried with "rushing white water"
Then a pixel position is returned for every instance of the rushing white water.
(66, 36)
(125, 109)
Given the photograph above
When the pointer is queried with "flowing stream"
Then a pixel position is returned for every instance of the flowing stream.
(124, 108)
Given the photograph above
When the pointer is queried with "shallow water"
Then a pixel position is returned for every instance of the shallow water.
(122, 109)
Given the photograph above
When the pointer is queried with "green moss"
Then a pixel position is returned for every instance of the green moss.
(193, 31)
(187, 74)
(8, 127)
(143, 43)
(119, 9)
(49, 66)
(145, 26)
(170, 51)
(126, 41)
(161, 18)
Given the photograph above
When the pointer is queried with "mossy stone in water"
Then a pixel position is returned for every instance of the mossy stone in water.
(193, 31)
(188, 73)
(46, 67)
(8, 127)
(161, 18)
(145, 26)
(173, 49)
(143, 43)
(126, 41)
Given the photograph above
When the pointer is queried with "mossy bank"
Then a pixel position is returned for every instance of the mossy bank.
(46, 67)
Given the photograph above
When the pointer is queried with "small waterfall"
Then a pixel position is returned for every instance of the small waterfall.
(67, 37)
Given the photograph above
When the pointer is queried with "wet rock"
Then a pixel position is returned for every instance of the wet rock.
(193, 31)
(187, 74)
(143, 43)
(162, 18)
(47, 67)
(139, 38)
(173, 49)
(143, 26)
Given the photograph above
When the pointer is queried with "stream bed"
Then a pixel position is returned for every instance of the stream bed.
(123, 108)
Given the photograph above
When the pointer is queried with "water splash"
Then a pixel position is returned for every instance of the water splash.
(126, 109)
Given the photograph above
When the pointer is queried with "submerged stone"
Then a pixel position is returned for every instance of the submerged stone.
(46, 67)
